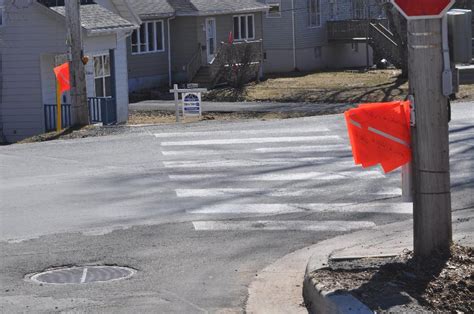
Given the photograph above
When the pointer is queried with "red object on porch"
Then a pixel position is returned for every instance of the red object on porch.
(62, 76)
(380, 134)
(231, 38)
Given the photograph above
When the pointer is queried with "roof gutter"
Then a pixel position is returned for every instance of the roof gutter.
(109, 31)
(223, 12)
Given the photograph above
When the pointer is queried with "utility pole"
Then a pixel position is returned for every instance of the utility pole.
(80, 110)
(430, 142)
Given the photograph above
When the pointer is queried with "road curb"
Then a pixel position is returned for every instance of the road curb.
(319, 300)
(382, 240)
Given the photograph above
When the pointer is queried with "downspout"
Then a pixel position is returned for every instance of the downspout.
(170, 79)
(294, 38)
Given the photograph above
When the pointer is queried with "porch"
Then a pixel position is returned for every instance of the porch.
(375, 32)
(239, 53)
(101, 110)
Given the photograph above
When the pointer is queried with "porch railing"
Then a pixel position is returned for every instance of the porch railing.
(350, 30)
(50, 115)
(101, 110)
(194, 64)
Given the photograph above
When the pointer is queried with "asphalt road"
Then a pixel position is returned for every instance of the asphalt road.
(197, 209)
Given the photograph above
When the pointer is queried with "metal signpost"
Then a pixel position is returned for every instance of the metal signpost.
(430, 145)
(190, 102)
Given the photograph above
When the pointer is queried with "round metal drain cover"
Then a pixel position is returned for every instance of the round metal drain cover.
(83, 275)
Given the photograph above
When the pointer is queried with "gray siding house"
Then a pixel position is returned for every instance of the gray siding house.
(179, 39)
(33, 42)
(296, 35)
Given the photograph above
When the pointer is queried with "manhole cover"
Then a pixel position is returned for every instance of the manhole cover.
(83, 275)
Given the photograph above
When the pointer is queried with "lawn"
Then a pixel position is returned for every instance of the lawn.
(326, 87)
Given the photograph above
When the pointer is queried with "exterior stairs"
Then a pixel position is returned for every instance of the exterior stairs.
(384, 44)
(203, 77)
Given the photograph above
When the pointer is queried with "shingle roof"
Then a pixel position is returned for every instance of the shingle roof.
(151, 8)
(95, 17)
(206, 7)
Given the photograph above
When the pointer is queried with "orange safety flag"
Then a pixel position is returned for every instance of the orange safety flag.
(380, 134)
(62, 76)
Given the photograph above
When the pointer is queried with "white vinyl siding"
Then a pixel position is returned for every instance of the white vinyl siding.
(314, 10)
(244, 27)
(149, 38)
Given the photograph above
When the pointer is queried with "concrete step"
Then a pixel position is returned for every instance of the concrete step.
(466, 74)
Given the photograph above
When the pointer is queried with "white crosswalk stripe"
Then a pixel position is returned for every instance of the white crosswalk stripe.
(275, 209)
(336, 148)
(252, 140)
(242, 192)
(242, 132)
(220, 161)
(313, 175)
(291, 225)
(250, 163)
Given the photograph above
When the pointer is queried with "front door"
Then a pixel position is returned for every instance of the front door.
(210, 39)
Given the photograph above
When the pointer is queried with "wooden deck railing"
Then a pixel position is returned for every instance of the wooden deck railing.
(350, 30)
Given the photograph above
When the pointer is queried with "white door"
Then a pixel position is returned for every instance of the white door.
(210, 39)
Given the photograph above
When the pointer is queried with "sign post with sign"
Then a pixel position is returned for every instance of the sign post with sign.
(190, 102)
(429, 132)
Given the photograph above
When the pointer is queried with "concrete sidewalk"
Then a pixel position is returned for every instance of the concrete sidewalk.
(382, 241)
(277, 288)
(166, 105)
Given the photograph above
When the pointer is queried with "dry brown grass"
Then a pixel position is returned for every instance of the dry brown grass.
(327, 87)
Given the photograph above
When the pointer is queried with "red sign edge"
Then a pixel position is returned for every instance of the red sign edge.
(423, 17)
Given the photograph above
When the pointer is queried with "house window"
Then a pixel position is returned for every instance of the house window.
(358, 9)
(314, 10)
(274, 8)
(333, 9)
(244, 27)
(2, 18)
(148, 38)
(102, 79)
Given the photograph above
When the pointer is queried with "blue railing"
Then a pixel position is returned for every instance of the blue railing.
(50, 114)
(100, 110)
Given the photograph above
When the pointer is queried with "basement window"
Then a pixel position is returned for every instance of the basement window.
(150, 37)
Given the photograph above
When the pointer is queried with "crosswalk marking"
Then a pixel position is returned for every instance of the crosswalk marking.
(262, 150)
(241, 192)
(251, 163)
(303, 149)
(245, 132)
(313, 175)
(252, 140)
(275, 209)
(292, 225)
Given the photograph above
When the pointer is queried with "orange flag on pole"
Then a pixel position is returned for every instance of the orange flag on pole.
(380, 134)
(62, 76)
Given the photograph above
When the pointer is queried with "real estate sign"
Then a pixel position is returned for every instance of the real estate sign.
(192, 104)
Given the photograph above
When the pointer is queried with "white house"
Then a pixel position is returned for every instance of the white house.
(33, 42)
